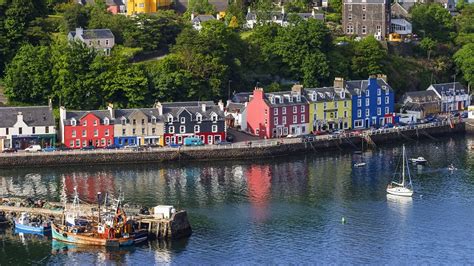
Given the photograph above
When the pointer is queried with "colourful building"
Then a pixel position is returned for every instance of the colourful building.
(330, 108)
(278, 114)
(135, 7)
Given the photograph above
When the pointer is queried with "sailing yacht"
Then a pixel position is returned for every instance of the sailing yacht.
(404, 188)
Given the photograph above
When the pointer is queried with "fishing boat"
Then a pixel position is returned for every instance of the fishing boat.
(27, 225)
(419, 160)
(404, 188)
(112, 229)
(361, 164)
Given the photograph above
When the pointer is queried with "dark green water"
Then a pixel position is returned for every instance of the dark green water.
(279, 211)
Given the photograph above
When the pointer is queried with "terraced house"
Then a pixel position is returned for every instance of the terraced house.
(186, 119)
(278, 114)
(138, 126)
(330, 108)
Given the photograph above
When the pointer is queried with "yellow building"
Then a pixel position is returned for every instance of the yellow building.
(329, 109)
(146, 6)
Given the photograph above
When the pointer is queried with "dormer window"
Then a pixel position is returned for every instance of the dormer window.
(313, 96)
(272, 100)
(298, 98)
(106, 121)
(124, 121)
(153, 120)
(214, 118)
(199, 118)
(73, 122)
(170, 119)
(290, 99)
(183, 120)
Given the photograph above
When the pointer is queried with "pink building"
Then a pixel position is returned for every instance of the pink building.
(277, 114)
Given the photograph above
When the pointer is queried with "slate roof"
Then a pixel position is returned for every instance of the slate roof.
(235, 107)
(241, 97)
(277, 15)
(413, 107)
(353, 85)
(101, 114)
(95, 34)
(326, 94)
(149, 112)
(32, 116)
(444, 88)
(176, 108)
(365, 1)
(107, 2)
(203, 18)
(421, 96)
(283, 99)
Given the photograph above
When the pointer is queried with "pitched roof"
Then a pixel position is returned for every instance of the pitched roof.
(203, 18)
(176, 108)
(32, 116)
(353, 85)
(284, 98)
(241, 97)
(235, 107)
(420, 95)
(78, 115)
(326, 94)
(95, 34)
(366, 2)
(446, 88)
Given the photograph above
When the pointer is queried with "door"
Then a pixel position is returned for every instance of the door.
(209, 139)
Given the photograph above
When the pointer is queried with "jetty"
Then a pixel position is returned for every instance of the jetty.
(161, 223)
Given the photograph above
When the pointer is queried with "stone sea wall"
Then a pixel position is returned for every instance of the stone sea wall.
(241, 153)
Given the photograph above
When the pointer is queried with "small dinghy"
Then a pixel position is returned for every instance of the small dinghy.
(419, 160)
(34, 226)
(362, 164)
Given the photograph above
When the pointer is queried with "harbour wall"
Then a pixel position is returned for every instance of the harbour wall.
(241, 152)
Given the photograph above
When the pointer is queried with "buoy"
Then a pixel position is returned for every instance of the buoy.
(343, 220)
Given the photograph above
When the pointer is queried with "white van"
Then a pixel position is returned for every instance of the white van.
(33, 148)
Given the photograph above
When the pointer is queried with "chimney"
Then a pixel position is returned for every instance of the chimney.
(79, 31)
(159, 107)
(221, 105)
(218, 16)
(372, 80)
(339, 82)
(297, 88)
(258, 93)
(248, 9)
(203, 107)
(313, 14)
(50, 104)
(382, 76)
(110, 107)
(283, 10)
(192, 16)
(19, 117)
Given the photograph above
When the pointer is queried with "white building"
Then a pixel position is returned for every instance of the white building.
(24, 126)
(453, 95)
(280, 18)
(400, 26)
(199, 19)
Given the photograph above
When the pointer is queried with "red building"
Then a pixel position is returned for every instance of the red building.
(278, 114)
(86, 128)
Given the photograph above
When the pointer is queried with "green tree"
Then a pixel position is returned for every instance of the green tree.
(28, 76)
(368, 58)
(428, 45)
(75, 16)
(199, 7)
(464, 59)
(465, 25)
(433, 21)
(335, 6)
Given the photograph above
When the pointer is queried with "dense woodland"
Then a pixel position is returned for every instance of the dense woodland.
(37, 62)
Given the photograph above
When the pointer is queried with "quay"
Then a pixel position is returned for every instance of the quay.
(159, 225)
(242, 151)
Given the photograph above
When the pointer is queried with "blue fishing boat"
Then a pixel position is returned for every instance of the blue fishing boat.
(27, 225)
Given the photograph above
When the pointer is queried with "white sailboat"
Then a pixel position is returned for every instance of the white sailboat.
(404, 188)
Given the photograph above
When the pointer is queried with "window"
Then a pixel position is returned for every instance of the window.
(325, 105)
(379, 91)
(349, 7)
(109, 142)
(345, 103)
(199, 118)
(84, 133)
(335, 114)
(71, 143)
(33, 130)
(379, 111)
(257, 131)
(266, 112)
(364, 29)
(96, 132)
(78, 143)
(359, 113)
(134, 131)
(167, 140)
(295, 119)
(214, 117)
(387, 99)
(358, 123)
(367, 112)
(170, 119)
(98, 42)
(283, 120)
(364, 7)
(143, 121)
(275, 120)
(123, 132)
(367, 93)
(182, 129)
(73, 133)
(379, 101)
(266, 121)
(134, 121)
(285, 131)
(283, 110)
(84, 143)
(209, 139)
(335, 104)
(349, 17)
(124, 121)
(196, 129)
(183, 120)
(106, 42)
(102, 142)
(153, 131)
(295, 109)
(302, 118)
(275, 111)
(359, 102)
(345, 113)
(106, 121)
(95, 122)
(143, 131)
(73, 122)
(214, 128)
(302, 108)
(106, 132)
(141, 5)
(367, 102)
(363, 16)
(387, 110)
(84, 123)
(153, 120)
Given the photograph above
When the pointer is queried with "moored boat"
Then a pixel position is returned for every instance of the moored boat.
(404, 188)
(27, 225)
(419, 160)
(362, 164)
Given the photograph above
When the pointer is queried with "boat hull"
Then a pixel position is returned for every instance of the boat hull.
(400, 191)
(81, 239)
(32, 229)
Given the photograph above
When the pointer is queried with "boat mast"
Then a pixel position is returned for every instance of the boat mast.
(403, 167)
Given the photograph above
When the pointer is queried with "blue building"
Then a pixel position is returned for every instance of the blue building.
(373, 102)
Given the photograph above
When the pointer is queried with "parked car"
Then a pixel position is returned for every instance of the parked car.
(63, 148)
(230, 138)
(223, 142)
(133, 147)
(193, 141)
(174, 145)
(33, 148)
(388, 125)
(9, 150)
(88, 148)
(319, 133)
(49, 149)
(308, 137)
(112, 147)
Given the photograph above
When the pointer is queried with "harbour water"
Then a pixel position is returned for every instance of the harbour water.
(284, 210)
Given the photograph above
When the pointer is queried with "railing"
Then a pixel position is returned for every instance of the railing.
(238, 145)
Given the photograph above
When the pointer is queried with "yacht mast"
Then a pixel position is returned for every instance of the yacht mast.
(403, 167)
